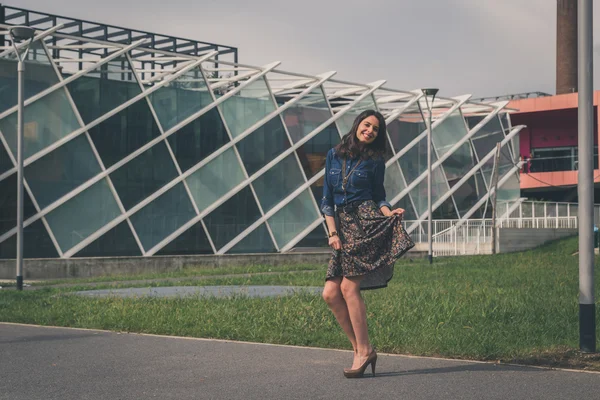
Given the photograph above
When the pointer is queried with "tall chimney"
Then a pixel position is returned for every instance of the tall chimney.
(566, 46)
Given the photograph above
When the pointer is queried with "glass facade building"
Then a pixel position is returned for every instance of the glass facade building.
(133, 150)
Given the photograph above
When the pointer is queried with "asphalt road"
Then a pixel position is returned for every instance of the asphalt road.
(59, 363)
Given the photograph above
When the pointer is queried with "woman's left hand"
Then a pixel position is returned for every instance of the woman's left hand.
(398, 211)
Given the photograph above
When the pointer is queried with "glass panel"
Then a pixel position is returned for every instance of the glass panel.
(466, 196)
(263, 145)
(449, 132)
(526, 209)
(346, 121)
(247, 107)
(163, 216)
(539, 209)
(278, 182)
(215, 179)
(36, 243)
(124, 132)
(232, 217)
(144, 175)
(101, 90)
(393, 182)
(39, 75)
(180, 98)
(258, 241)
(511, 190)
(414, 161)
(438, 188)
(562, 210)
(198, 139)
(490, 128)
(405, 129)
(409, 211)
(8, 204)
(483, 146)
(47, 120)
(117, 242)
(306, 115)
(62, 170)
(292, 219)
(312, 154)
(5, 162)
(192, 241)
(446, 210)
(315, 239)
(458, 164)
(83, 215)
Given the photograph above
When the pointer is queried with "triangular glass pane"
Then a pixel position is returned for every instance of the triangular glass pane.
(163, 216)
(278, 182)
(438, 188)
(8, 204)
(393, 181)
(62, 170)
(446, 210)
(192, 241)
(490, 128)
(124, 132)
(83, 215)
(247, 107)
(215, 179)
(449, 132)
(258, 241)
(36, 243)
(198, 139)
(312, 154)
(46, 121)
(466, 196)
(263, 145)
(5, 162)
(102, 90)
(293, 218)
(180, 98)
(458, 164)
(405, 129)
(414, 161)
(306, 115)
(39, 75)
(117, 242)
(511, 189)
(317, 238)
(144, 175)
(232, 217)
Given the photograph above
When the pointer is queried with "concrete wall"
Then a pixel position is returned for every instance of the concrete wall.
(57, 268)
(515, 239)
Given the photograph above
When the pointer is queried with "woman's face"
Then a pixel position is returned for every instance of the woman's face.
(367, 130)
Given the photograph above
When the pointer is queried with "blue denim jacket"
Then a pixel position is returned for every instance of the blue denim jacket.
(365, 183)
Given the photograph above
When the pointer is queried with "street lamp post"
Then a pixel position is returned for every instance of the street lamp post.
(22, 35)
(429, 92)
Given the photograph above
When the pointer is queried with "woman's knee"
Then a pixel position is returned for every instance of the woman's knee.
(332, 293)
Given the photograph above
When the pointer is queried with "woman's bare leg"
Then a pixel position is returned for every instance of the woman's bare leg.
(358, 316)
(332, 294)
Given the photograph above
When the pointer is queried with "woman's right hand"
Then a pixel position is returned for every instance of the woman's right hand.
(335, 242)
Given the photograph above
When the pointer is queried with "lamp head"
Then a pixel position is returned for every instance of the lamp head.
(21, 33)
(430, 91)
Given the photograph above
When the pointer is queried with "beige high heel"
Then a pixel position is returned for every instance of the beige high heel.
(360, 371)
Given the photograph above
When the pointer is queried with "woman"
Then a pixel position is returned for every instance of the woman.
(366, 235)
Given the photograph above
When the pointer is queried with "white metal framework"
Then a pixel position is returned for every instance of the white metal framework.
(200, 155)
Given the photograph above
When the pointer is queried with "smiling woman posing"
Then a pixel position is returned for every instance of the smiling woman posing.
(366, 235)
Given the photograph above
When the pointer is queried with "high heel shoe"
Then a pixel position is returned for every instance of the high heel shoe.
(360, 371)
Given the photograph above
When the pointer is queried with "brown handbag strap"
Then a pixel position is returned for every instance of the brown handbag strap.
(346, 177)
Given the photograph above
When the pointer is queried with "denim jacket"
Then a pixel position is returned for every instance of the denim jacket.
(365, 183)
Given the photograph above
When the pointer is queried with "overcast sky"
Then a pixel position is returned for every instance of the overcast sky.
(479, 47)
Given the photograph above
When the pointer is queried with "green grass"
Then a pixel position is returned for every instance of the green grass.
(520, 307)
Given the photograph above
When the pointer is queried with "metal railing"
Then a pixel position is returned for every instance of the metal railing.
(474, 236)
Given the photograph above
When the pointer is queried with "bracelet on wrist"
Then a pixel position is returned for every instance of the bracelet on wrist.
(332, 234)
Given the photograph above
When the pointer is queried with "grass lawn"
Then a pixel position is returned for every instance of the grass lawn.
(520, 307)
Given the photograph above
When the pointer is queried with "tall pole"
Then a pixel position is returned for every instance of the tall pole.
(429, 235)
(20, 125)
(587, 312)
(495, 196)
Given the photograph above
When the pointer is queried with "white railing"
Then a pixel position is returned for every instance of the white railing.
(474, 236)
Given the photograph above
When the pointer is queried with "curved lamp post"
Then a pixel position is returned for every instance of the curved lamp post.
(23, 36)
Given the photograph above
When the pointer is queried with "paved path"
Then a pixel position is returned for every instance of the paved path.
(58, 363)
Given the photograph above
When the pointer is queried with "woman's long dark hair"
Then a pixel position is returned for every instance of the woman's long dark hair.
(350, 148)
